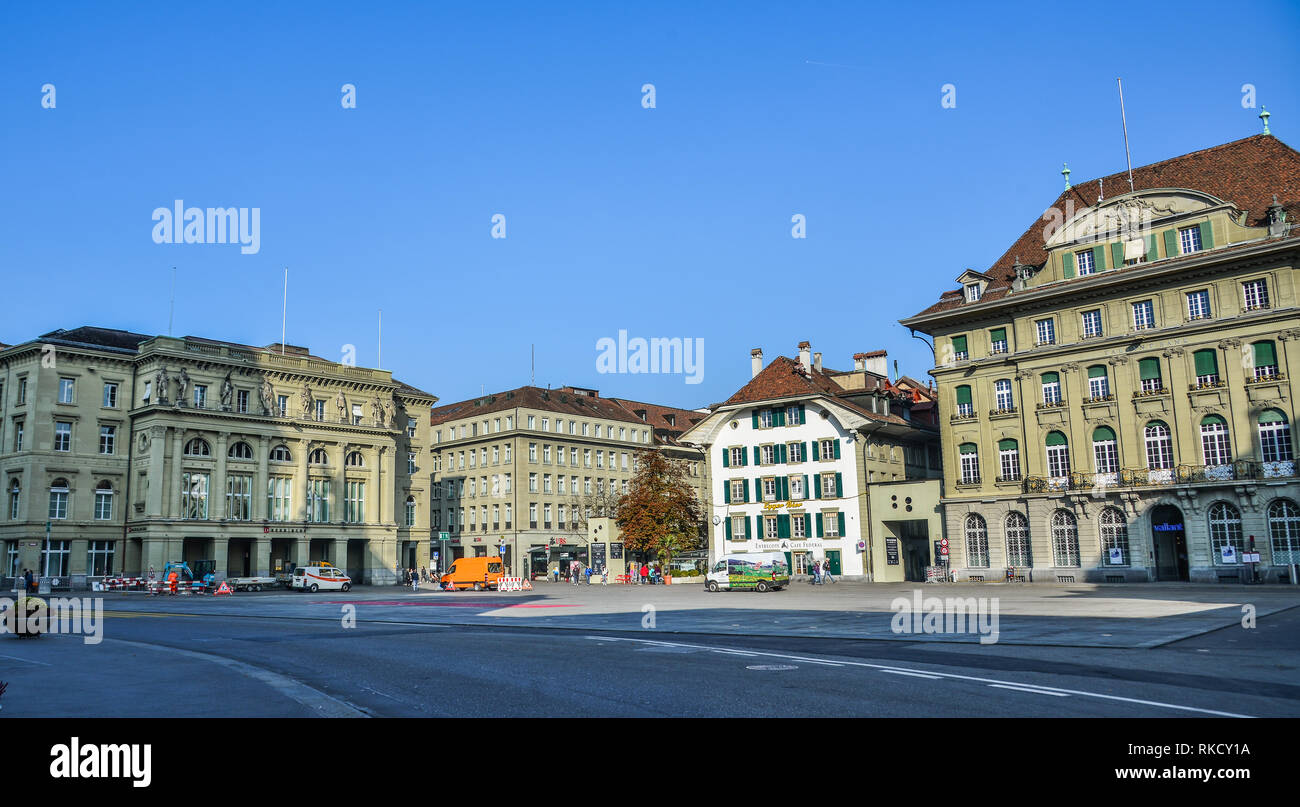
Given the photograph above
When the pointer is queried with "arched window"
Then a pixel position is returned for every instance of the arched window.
(59, 494)
(1065, 539)
(1114, 538)
(1002, 397)
(1225, 531)
(104, 501)
(970, 464)
(977, 542)
(410, 511)
(15, 496)
(355, 460)
(240, 451)
(1105, 454)
(1275, 444)
(1216, 450)
(1058, 455)
(1265, 360)
(1009, 460)
(965, 404)
(281, 454)
(1160, 447)
(198, 447)
(1284, 531)
(1098, 382)
(1018, 549)
(318, 457)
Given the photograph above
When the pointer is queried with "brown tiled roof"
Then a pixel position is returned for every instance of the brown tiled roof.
(558, 401)
(1244, 172)
(871, 354)
(656, 416)
(784, 378)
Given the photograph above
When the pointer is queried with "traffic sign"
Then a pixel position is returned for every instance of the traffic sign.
(444, 536)
(943, 542)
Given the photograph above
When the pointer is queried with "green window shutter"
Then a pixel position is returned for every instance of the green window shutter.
(1207, 235)
(754, 418)
(1097, 371)
(726, 458)
(837, 449)
(967, 448)
(805, 486)
(778, 417)
(1171, 243)
(1007, 445)
(1056, 439)
(1213, 420)
(998, 335)
(1206, 362)
(801, 415)
(1153, 252)
(817, 487)
(726, 493)
(820, 530)
(744, 457)
(840, 518)
(1102, 433)
(728, 528)
(782, 488)
(1051, 378)
(816, 450)
(1264, 354)
(785, 452)
(807, 524)
(1271, 416)
(783, 525)
(1099, 258)
(959, 344)
(963, 394)
(1117, 254)
(789, 562)
(1149, 368)
(803, 452)
(745, 487)
(758, 457)
(1067, 264)
(839, 485)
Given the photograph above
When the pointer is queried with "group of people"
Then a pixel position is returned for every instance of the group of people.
(821, 573)
(29, 581)
(651, 575)
(581, 573)
(414, 577)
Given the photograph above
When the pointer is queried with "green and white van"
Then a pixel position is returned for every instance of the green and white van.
(749, 571)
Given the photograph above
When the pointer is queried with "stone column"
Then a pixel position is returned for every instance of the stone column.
(157, 480)
(338, 482)
(300, 484)
(339, 553)
(260, 483)
(1183, 425)
(301, 551)
(178, 454)
(385, 513)
(261, 556)
(217, 490)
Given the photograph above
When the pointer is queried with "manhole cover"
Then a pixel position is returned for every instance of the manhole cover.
(771, 667)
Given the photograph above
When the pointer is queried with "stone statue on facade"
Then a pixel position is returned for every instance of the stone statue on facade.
(341, 403)
(376, 411)
(161, 381)
(389, 415)
(182, 387)
(305, 400)
(267, 394)
(227, 392)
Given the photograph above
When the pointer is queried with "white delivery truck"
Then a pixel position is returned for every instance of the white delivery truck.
(750, 571)
(315, 578)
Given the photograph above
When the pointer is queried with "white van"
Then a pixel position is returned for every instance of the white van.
(749, 571)
(315, 578)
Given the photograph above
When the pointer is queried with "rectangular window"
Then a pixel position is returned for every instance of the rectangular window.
(739, 528)
(103, 505)
(320, 408)
(1198, 304)
(794, 452)
(107, 439)
(1099, 386)
(765, 419)
(241, 401)
(1058, 461)
(1255, 294)
(100, 557)
(1084, 261)
(201, 396)
(769, 490)
(972, 292)
(795, 483)
(18, 435)
(1002, 395)
(998, 340)
(58, 503)
(831, 524)
(1091, 324)
(354, 507)
(828, 486)
(1105, 456)
(22, 391)
(62, 436)
(1046, 329)
(279, 498)
(970, 468)
(318, 500)
(768, 455)
(1009, 460)
(1189, 240)
(282, 405)
(194, 496)
(239, 497)
(1144, 315)
(110, 396)
(67, 389)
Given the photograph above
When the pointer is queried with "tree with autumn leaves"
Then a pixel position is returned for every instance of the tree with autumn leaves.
(660, 513)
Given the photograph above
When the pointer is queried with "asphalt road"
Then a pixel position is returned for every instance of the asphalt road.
(186, 665)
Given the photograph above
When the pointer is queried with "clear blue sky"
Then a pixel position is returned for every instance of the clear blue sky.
(673, 221)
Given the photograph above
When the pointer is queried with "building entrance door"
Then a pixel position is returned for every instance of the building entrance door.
(833, 558)
(1169, 540)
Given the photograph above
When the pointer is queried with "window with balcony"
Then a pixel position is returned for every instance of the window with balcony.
(1098, 383)
(998, 340)
(1051, 388)
(1216, 449)
(1009, 460)
(1265, 357)
(1092, 326)
(1149, 372)
(1198, 304)
(1206, 363)
(1002, 395)
(1046, 331)
(1144, 315)
(1255, 294)
(970, 463)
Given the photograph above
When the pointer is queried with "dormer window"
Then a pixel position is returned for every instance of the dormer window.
(1189, 239)
(972, 292)
(1084, 260)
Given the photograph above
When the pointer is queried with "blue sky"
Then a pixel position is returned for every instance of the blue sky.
(668, 222)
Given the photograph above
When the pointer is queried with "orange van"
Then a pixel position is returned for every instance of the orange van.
(476, 573)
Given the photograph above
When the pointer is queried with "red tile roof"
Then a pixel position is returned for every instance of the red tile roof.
(1244, 172)
(785, 378)
(560, 401)
(657, 418)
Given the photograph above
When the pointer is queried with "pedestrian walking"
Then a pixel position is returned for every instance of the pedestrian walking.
(826, 572)
(30, 581)
(645, 573)
(415, 580)
(424, 574)
(587, 572)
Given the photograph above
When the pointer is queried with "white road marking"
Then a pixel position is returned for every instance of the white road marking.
(913, 674)
(957, 677)
(1030, 689)
(734, 653)
(27, 660)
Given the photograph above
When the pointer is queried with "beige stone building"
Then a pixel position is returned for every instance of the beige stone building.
(1119, 387)
(523, 472)
(138, 451)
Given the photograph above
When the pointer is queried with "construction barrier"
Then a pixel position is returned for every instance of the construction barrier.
(511, 584)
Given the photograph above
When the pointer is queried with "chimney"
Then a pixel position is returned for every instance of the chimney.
(804, 348)
(755, 362)
(817, 361)
(859, 362)
(876, 362)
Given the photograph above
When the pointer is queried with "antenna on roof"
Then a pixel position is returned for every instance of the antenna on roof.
(1124, 121)
(171, 311)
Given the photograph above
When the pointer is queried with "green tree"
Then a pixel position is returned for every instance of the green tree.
(660, 513)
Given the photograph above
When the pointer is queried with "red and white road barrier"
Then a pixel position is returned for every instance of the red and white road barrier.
(513, 584)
